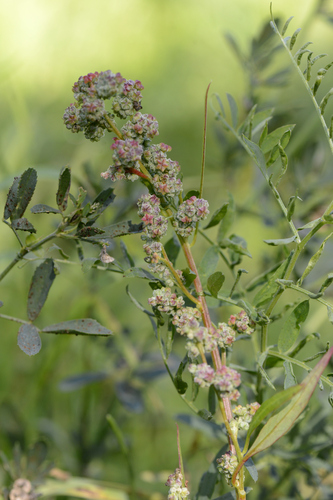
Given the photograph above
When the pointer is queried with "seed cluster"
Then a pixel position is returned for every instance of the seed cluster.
(176, 489)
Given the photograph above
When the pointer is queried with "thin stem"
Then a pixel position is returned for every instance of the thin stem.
(17, 320)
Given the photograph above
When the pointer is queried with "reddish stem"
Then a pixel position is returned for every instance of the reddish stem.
(136, 172)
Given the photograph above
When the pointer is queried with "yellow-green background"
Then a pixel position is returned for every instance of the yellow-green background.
(175, 47)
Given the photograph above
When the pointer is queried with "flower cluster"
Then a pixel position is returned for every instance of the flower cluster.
(141, 127)
(22, 490)
(126, 155)
(89, 115)
(165, 300)
(163, 170)
(241, 323)
(243, 415)
(189, 213)
(227, 465)
(176, 489)
(225, 379)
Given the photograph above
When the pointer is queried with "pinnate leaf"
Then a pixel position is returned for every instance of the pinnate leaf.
(40, 285)
(28, 339)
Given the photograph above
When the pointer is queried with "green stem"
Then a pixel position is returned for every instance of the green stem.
(17, 320)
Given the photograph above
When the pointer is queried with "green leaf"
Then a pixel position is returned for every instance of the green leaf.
(218, 216)
(11, 199)
(228, 219)
(63, 188)
(327, 283)
(255, 153)
(212, 400)
(76, 382)
(139, 272)
(208, 264)
(114, 231)
(280, 135)
(237, 244)
(285, 27)
(85, 326)
(189, 276)
(88, 232)
(324, 101)
(28, 339)
(88, 263)
(270, 405)
(266, 293)
(330, 314)
(313, 261)
(263, 134)
(44, 209)
(25, 191)
(292, 325)
(129, 260)
(215, 282)
(172, 248)
(293, 38)
(193, 192)
(284, 241)
(179, 383)
(23, 224)
(233, 110)
(290, 379)
(278, 425)
(40, 285)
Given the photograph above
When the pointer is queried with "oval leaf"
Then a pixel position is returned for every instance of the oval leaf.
(25, 191)
(217, 216)
(11, 199)
(78, 327)
(115, 230)
(28, 339)
(292, 325)
(44, 209)
(278, 425)
(215, 282)
(23, 224)
(63, 188)
(40, 285)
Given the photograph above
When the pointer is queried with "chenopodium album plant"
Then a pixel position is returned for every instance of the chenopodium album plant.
(178, 299)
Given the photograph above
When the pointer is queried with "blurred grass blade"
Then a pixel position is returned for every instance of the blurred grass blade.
(78, 487)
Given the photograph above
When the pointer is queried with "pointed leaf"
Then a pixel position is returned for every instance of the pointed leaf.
(292, 325)
(85, 326)
(63, 188)
(40, 285)
(11, 199)
(285, 27)
(293, 38)
(189, 276)
(236, 244)
(23, 224)
(227, 221)
(25, 191)
(313, 261)
(218, 216)
(327, 283)
(290, 379)
(233, 110)
(284, 241)
(270, 288)
(28, 339)
(172, 248)
(215, 282)
(278, 425)
(44, 209)
(256, 154)
(278, 135)
(129, 260)
(270, 405)
(139, 272)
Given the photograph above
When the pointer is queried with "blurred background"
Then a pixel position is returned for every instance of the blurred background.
(176, 49)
